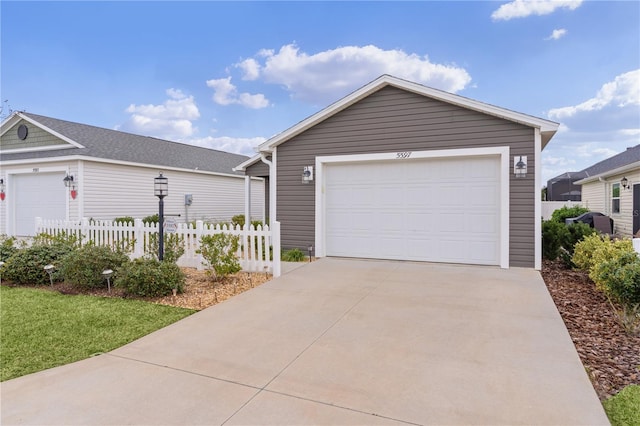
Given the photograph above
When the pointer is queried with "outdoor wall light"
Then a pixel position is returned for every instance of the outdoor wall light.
(49, 270)
(520, 166)
(2, 194)
(107, 275)
(70, 182)
(625, 183)
(307, 174)
(161, 190)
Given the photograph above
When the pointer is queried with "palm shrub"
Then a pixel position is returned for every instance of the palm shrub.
(149, 277)
(219, 252)
(293, 255)
(83, 267)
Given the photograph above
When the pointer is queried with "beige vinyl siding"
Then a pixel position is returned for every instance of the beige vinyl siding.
(36, 138)
(593, 196)
(119, 190)
(393, 120)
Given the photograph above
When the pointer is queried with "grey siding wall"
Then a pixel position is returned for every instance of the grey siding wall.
(395, 120)
(35, 138)
(259, 169)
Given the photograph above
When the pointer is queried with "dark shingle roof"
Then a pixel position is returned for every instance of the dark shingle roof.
(120, 146)
(630, 155)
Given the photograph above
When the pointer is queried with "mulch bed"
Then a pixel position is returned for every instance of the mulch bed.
(610, 356)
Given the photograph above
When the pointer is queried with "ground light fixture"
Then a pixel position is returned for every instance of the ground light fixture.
(49, 270)
(310, 249)
(107, 275)
(161, 190)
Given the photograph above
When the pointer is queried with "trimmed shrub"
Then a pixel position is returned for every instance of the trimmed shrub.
(147, 277)
(83, 267)
(7, 247)
(576, 232)
(124, 219)
(584, 250)
(219, 251)
(554, 234)
(154, 218)
(559, 215)
(293, 255)
(26, 266)
(619, 277)
(238, 220)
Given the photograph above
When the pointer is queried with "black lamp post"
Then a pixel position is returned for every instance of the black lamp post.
(161, 190)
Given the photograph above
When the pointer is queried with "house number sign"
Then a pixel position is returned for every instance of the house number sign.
(405, 154)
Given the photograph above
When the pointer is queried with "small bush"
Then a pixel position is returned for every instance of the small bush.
(609, 251)
(219, 251)
(576, 232)
(124, 219)
(151, 219)
(238, 220)
(83, 267)
(584, 250)
(173, 246)
(559, 215)
(293, 255)
(147, 277)
(620, 277)
(26, 266)
(554, 234)
(7, 247)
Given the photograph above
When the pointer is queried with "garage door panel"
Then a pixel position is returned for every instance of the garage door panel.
(443, 210)
(37, 195)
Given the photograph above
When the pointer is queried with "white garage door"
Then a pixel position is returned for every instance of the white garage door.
(438, 210)
(38, 195)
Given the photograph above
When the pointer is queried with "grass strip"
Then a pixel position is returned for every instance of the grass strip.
(623, 409)
(41, 329)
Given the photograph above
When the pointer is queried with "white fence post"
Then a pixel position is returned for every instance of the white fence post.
(138, 232)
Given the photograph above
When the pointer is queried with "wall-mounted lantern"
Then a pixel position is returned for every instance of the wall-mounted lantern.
(307, 174)
(2, 194)
(71, 183)
(624, 182)
(520, 166)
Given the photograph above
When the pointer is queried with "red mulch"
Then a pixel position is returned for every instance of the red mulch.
(610, 356)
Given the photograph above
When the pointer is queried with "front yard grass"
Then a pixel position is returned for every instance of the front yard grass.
(623, 409)
(41, 329)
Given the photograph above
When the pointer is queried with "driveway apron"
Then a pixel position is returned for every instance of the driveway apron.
(338, 341)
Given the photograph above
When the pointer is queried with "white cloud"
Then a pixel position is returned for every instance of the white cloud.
(244, 146)
(328, 75)
(623, 91)
(524, 8)
(170, 120)
(225, 93)
(557, 34)
(629, 132)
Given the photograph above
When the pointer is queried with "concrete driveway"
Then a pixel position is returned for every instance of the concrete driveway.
(337, 342)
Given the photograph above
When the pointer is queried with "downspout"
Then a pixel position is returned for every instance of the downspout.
(272, 185)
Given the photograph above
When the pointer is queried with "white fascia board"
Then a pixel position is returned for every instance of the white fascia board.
(118, 162)
(243, 166)
(37, 149)
(613, 172)
(48, 130)
(547, 128)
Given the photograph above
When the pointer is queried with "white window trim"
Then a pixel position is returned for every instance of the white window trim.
(502, 152)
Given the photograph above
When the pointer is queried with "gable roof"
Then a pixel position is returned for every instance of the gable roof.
(106, 144)
(547, 128)
(619, 163)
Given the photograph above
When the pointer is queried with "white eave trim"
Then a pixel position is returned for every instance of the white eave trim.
(117, 162)
(547, 128)
(41, 126)
(612, 172)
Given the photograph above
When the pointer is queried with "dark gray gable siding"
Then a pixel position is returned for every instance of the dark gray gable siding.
(392, 120)
(258, 169)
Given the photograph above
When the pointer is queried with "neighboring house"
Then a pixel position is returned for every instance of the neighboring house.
(563, 187)
(612, 187)
(397, 170)
(113, 175)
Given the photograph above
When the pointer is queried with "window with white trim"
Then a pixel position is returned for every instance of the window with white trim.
(615, 198)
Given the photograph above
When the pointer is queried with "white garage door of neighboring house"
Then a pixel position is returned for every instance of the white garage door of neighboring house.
(37, 195)
(438, 210)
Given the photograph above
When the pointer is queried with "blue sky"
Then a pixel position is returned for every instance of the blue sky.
(229, 75)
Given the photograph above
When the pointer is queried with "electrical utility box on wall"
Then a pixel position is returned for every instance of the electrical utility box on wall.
(188, 199)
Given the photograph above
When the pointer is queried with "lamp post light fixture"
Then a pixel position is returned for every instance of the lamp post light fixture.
(107, 275)
(161, 190)
(49, 270)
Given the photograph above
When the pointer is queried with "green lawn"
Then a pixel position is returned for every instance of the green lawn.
(40, 329)
(624, 408)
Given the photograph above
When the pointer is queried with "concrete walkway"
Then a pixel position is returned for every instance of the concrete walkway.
(337, 342)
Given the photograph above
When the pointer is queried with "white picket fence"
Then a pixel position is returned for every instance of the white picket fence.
(258, 251)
